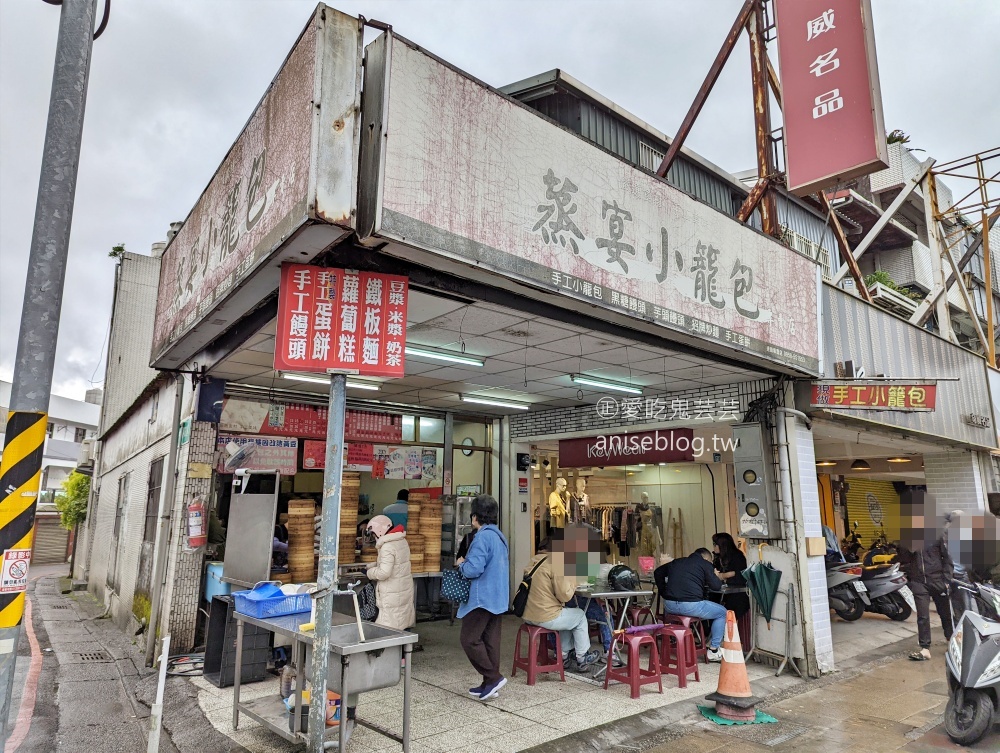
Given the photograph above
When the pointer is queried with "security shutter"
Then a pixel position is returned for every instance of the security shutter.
(51, 541)
(865, 500)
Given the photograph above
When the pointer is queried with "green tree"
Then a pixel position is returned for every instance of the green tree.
(72, 503)
(117, 252)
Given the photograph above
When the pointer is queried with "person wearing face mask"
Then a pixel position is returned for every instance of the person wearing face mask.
(929, 570)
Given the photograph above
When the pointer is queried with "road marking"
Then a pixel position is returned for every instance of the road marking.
(27, 710)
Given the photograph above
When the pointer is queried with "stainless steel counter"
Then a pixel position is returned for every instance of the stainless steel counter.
(376, 662)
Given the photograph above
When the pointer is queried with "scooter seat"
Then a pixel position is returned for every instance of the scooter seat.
(872, 571)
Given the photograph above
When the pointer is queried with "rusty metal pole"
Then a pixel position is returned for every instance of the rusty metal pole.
(762, 118)
(988, 271)
(706, 87)
(845, 249)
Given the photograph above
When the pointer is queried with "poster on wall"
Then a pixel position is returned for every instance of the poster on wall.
(412, 464)
(313, 455)
(429, 469)
(306, 421)
(259, 454)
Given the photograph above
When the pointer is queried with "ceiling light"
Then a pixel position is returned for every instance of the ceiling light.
(442, 356)
(826, 463)
(320, 379)
(591, 382)
(860, 465)
(494, 402)
(311, 378)
(363, 386)
(898, 460)
(661, 463)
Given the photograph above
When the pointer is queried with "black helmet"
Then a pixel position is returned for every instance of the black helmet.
(623, 578)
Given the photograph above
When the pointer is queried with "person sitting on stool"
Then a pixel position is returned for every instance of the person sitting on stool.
(683, 583)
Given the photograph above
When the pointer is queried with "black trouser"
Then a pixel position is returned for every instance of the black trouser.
(922, 596)
(481, 643)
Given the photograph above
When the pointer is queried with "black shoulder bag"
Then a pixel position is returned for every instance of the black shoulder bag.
(521, 597)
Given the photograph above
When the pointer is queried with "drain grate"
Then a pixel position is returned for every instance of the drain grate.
(93, 656)
(60, 606)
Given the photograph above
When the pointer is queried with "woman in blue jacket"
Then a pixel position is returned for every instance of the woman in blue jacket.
(487, 566)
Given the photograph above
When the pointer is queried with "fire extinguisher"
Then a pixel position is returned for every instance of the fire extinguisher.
(197, 528)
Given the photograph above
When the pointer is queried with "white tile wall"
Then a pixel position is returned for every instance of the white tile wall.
(955, 482)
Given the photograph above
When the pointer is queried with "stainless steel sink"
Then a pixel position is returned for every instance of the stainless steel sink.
(371, 664)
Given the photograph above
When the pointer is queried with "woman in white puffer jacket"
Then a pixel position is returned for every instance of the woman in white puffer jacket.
(392, 575)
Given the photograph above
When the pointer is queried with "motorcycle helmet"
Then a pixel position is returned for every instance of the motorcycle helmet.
(623, 578)
(377, 528)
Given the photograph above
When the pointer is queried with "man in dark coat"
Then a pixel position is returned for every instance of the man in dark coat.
(929, 571)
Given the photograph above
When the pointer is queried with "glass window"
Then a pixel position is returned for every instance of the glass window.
(430, 430)
(409, 428)
(80, 435)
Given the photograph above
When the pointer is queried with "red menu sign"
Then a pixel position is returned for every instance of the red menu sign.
(313, 454)
(831, 103)
(365, 426)
(660, 446)
(877, 396)
(360, 453)
(340, 319)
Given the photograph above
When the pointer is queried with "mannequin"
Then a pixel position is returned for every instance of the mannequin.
(580, 500)
(558, 500)
(649, 536)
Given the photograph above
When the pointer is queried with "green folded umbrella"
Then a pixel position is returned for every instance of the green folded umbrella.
(763, 580)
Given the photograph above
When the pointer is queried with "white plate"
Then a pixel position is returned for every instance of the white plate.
(859, 586)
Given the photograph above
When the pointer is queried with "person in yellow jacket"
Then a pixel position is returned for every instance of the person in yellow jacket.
(550, 589)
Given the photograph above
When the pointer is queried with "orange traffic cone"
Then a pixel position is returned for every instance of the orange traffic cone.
(733, 698)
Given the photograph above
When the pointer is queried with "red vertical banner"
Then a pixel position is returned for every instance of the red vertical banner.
(831, 102)
(340, 319)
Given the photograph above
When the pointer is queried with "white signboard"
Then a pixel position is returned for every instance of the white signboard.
(469, 174)
(14, 572)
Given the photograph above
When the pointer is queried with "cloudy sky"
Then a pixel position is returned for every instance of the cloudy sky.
(173, 81)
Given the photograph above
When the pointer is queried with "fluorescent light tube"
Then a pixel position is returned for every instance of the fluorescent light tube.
(591, 382)
(442, 356)
(318, 379)
(492, 401)
(312, 378)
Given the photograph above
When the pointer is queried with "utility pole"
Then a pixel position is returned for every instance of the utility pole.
(20, 469)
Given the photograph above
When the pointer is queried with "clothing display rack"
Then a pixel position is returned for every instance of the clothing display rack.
(789, 621)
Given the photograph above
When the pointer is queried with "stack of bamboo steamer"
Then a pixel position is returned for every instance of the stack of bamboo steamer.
(349, 499)
(414, 531)
(369, 554)
(430, 529)
(301, 562)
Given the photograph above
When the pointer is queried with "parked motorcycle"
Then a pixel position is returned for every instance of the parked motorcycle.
(882, 551)
(973, 663)
(846, 591)
(888, 592)
(851, 545)
(847, 595)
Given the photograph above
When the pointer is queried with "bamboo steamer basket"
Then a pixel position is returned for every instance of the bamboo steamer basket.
(416, 563)
(369, 554)
(416, 543)
(282, 577)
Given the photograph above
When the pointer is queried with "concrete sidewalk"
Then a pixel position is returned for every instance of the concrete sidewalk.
(86, 683)
(93, 694)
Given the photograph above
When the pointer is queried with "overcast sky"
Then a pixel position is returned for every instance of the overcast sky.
(173, 82)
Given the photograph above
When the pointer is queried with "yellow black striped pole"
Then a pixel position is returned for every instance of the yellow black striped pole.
(20, 472)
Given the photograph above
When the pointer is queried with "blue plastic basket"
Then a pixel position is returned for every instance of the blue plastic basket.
(273, 607)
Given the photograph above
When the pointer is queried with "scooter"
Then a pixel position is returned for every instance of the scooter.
(888, 592)
(846, 591)
(973, 663)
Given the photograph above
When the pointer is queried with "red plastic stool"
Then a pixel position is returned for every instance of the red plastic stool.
(678, 655)
(632, 674)
(537, 660)
(696, 627)
(637, 613)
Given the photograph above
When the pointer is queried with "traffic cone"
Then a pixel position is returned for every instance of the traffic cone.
(733, 698)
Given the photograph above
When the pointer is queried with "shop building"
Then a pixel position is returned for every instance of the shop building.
(547, 274)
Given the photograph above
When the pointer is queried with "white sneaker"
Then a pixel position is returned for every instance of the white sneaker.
(714, 655)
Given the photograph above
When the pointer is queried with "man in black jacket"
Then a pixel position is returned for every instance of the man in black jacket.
(683, 583)
(929, 571)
